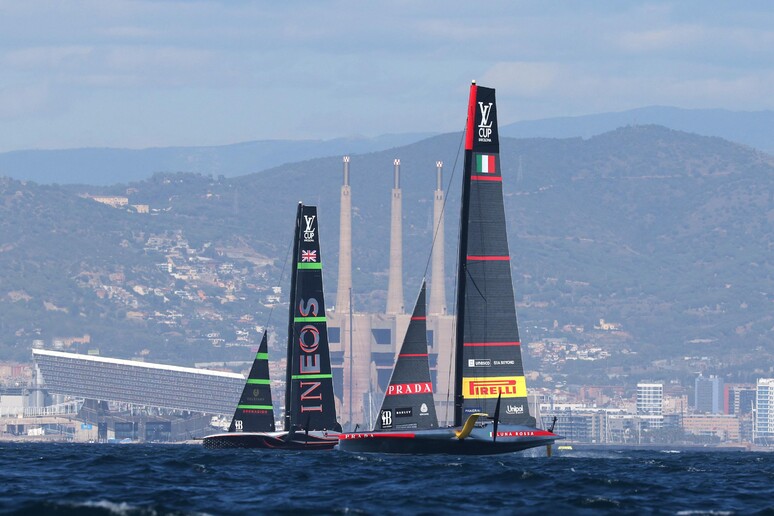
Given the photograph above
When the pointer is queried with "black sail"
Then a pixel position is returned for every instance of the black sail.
(310, 404)
(408, 401)
(488, 359)
(255, 413)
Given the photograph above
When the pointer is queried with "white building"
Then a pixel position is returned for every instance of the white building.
(763, 423)
(650, 403)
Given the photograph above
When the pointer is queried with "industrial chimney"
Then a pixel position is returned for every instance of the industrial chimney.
(395, 285)
(345, 245)
(437, 304)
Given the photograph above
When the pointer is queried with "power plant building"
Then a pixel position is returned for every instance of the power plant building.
(364, 345)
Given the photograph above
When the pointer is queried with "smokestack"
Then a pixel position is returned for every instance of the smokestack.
(437, 286)
(345, 245)
(395, 285)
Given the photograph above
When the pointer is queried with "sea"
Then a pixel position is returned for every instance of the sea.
(158, 479)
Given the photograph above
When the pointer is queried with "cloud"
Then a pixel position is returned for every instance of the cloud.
(524, 79)
(47, 57)
(666, 38)
(335, 67)
(19, 101)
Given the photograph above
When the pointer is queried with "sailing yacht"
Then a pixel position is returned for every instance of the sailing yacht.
(310, 412)
(491, 413)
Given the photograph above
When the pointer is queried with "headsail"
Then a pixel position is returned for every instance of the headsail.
(408, 402)
(488, 359)
(310, 382)
(255, 413)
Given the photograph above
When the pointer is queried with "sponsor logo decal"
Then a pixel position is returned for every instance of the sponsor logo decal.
(423, 409)
(523, 433)
(514, 409)
(309, 359)
(485, 164)
(309, 229)
(309, 256)
(504, 362)
(378, 435)
(504, 386)
(304, 335)
(471, 410)
(485, 126)
(409, 388)
(238, 425)
(479, 362)
(404, 412)
(386, 418)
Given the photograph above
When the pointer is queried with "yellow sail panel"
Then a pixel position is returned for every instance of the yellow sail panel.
(494, 386)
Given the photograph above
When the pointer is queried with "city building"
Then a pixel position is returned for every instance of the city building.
(650, 404)
(92, 397)
(763, 421)
(724, 427)
(738, 399)
(708, 394)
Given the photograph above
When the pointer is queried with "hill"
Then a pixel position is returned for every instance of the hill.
(753, 128)
(666, 234)
(107, 166)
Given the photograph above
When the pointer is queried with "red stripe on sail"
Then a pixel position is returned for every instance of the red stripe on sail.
(471, 118)
(419, 318)
(413, 355)
(486, 178)
(479, 258)
(479, 344)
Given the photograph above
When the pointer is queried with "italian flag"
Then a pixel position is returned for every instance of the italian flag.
(485, 163)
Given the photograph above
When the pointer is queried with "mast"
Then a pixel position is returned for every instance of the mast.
(350, 356)
(462, 258)
(291, 309)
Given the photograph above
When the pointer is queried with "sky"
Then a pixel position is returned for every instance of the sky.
(137, 74)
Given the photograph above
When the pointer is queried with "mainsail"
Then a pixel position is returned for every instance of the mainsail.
(408, 401)
(309, 398)
(488, 353)
(255, 413)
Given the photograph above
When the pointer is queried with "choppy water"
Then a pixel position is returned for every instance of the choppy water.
(181, 479)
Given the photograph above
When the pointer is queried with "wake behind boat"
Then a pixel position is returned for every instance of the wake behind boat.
(310, 411)
(488, 371)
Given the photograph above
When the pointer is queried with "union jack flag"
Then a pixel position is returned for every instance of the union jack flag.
(309, 256)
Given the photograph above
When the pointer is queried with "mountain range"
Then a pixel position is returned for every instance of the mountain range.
(667, 234)
(106, 166)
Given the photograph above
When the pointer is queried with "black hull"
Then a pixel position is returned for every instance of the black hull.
(273, 440)
(444, 441)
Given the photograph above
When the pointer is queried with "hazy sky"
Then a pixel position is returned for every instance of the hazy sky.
(157, 73)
